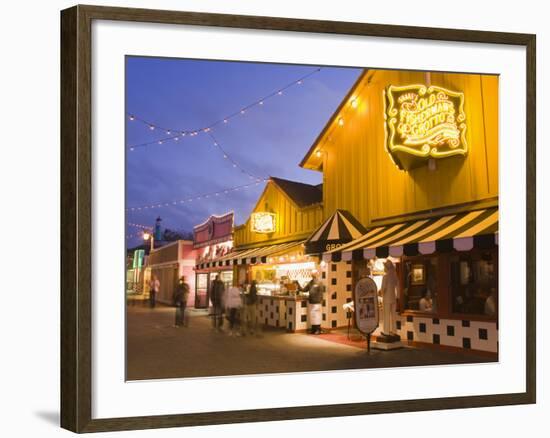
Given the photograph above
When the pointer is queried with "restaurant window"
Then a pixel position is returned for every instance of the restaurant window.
(420, 284)
(474, 288)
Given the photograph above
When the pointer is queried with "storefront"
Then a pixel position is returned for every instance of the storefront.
(413, 156)
(212, 240)
(135, 272)
(269, 248)
(168, 263)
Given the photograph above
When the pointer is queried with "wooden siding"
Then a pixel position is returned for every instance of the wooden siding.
(293, 223)
(359, 175)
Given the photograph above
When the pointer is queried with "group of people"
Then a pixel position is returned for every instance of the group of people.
(237, 303)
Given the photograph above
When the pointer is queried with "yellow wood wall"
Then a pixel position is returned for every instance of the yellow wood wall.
(360, 176)
(293, 223)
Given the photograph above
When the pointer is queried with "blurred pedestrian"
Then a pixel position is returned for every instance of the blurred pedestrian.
(233, 304)
(154, 288)
(217, 291)
(250, 317)
(181, 294)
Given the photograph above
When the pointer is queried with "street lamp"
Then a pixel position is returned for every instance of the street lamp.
(149, 236)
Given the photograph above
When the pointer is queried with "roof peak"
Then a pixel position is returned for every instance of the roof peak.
(303, 194)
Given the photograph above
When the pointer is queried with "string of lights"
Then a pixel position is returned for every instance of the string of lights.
(230, 160)
(143, 227)
(226, 156)
(190, 199)
(134, 235)
(175, 134)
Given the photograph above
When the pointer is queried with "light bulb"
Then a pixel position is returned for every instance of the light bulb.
(341, 121)
(354, 103)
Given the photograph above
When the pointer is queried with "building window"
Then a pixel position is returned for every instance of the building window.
(473, 287)
(420, 284)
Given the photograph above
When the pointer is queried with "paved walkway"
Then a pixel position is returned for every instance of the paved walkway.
(156, 349)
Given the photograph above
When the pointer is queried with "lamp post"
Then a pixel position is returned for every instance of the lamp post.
(149, 236)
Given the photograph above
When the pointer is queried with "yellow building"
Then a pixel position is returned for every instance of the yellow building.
(269, 249)
(413, 156)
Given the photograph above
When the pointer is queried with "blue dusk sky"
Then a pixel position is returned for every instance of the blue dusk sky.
(268, 140)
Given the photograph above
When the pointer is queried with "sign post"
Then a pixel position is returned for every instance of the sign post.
(365, 299)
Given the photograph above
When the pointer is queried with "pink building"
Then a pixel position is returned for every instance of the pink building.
(169, 263)
(213, 239)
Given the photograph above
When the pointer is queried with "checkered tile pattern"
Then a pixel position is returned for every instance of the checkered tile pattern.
(475, 335)
(338, 293)
(278, 312)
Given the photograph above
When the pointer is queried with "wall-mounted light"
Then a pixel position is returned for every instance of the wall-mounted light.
(341, 121)
(354, 103)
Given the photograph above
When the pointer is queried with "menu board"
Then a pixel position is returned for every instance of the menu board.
(365, 299)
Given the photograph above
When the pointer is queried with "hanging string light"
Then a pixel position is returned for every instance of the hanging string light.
(189, 199)
(173, 133)
(226, 156)
(143, 227)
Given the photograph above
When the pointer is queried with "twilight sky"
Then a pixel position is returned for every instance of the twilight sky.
(268, 140)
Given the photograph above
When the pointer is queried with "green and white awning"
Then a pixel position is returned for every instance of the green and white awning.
(459, 232)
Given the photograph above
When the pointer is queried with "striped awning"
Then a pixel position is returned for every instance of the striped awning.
(460, 232)
(252, 255)
(338, 229)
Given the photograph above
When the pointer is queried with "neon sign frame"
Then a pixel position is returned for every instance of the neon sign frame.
(449, 132)
(263, 222)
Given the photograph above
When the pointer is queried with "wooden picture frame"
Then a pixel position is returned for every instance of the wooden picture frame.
(76, 217)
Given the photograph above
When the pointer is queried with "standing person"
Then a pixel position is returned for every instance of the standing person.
(181, 294)
(154, 288)
(389, 298)
(217, 294)
(316, 290)
(250, 322)
(233, 304)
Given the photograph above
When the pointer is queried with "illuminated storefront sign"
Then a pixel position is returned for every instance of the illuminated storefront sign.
(263, 222)
(424, 122)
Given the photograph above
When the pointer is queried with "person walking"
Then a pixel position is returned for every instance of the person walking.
(181, 294)
(316, 290)
(154, 288)
(217, 295)
(250, 317)
(233, 304)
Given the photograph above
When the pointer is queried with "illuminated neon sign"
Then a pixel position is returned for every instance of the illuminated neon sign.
(263, 222)
(424, 122)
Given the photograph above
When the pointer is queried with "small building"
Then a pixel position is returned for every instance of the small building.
(169, 262)
(212, 240)
(269, 248)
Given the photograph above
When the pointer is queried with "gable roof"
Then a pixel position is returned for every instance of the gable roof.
(302, 194)
(333, 118)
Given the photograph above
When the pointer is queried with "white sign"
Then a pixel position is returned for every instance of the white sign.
(365, 299)
(263, 222)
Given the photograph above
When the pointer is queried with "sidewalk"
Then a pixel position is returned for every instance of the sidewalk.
(156, 349)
